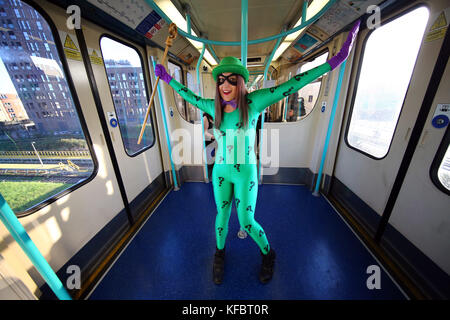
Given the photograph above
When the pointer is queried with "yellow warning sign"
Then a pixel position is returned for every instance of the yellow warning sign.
(71, 49)
(440, 22)
(95, 58)
(438, 29)
(436, 34)
(69, 44)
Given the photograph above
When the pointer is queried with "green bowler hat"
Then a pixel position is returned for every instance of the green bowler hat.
(230, 64)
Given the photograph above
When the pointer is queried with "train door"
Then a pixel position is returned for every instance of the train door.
(398, 67)
(121, 75)
(387, 93)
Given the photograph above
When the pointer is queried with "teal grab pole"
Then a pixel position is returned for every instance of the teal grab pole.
(330, 126)
(201, 113)
(188, 21)
(266, 69)
(244, 45)
(304, 9)
(244, 32)
(19, 234)
(166, 130)
(286, 101)
(213, 53)
(250, 42)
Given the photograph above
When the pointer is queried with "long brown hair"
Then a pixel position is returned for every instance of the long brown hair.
(241, 101)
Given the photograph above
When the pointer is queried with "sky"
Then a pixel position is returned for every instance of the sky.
(6, 86)
(114, 50)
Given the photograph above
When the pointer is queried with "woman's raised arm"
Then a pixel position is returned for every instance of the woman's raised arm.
(206, 105)
(261, 99)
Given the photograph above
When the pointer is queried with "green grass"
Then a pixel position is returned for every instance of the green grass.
(23, 195)
(61, 143)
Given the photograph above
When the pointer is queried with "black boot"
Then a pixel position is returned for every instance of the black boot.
(219, 266)
(268, 262)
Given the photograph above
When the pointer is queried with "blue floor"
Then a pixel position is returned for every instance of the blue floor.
(318, 256)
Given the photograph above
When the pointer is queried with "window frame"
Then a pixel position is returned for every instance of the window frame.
(78, 109)
(438, 158)
(146, 85)
(357, 77)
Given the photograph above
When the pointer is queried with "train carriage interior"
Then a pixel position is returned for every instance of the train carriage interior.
(109, 172)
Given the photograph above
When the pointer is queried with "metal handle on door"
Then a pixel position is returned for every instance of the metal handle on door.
(425, 134)
(407, 133)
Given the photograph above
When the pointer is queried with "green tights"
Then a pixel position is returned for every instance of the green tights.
(240, 180)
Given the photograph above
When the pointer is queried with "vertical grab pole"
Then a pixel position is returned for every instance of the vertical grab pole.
(169, 146)
(19, 234)
(201, 113)
(266, 69)
(242, 234)
(286, 101)
(244, 31)
(304, 9)
(188, 21)
(330, 126)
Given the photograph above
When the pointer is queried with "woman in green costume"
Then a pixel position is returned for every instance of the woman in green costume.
(235, 113)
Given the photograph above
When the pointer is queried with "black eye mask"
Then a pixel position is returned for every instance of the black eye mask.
(221, 79)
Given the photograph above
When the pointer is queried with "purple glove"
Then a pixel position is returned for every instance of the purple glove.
(335, 61)
(161, 72)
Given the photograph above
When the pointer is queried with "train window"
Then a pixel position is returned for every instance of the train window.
(193, 113)
(177, 73)
(300, 103)
(125, 75)
(440, 169)
(43, 149)
(387, 65)
(308, 94)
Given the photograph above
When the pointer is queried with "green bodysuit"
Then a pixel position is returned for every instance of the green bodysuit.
(235, 171)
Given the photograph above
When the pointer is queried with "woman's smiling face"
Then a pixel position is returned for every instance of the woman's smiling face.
(226, 89)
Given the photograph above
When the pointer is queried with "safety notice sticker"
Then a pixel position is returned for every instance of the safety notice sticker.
(70, 46)
(439, 26)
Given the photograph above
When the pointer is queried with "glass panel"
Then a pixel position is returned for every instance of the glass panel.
(176, 73)
(193, 112)
(389, 58)
(300, 103)
(43, 149)
(444, 170)
(125, 76)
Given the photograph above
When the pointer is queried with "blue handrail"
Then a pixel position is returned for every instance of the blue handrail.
(169, 146)
(330, 126)
(205, 158)
(19, 234)
(244, 32)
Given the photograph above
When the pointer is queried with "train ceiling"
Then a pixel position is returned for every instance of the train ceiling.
(220, 20)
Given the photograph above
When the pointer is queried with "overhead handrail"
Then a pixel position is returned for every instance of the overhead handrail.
(152, 4)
